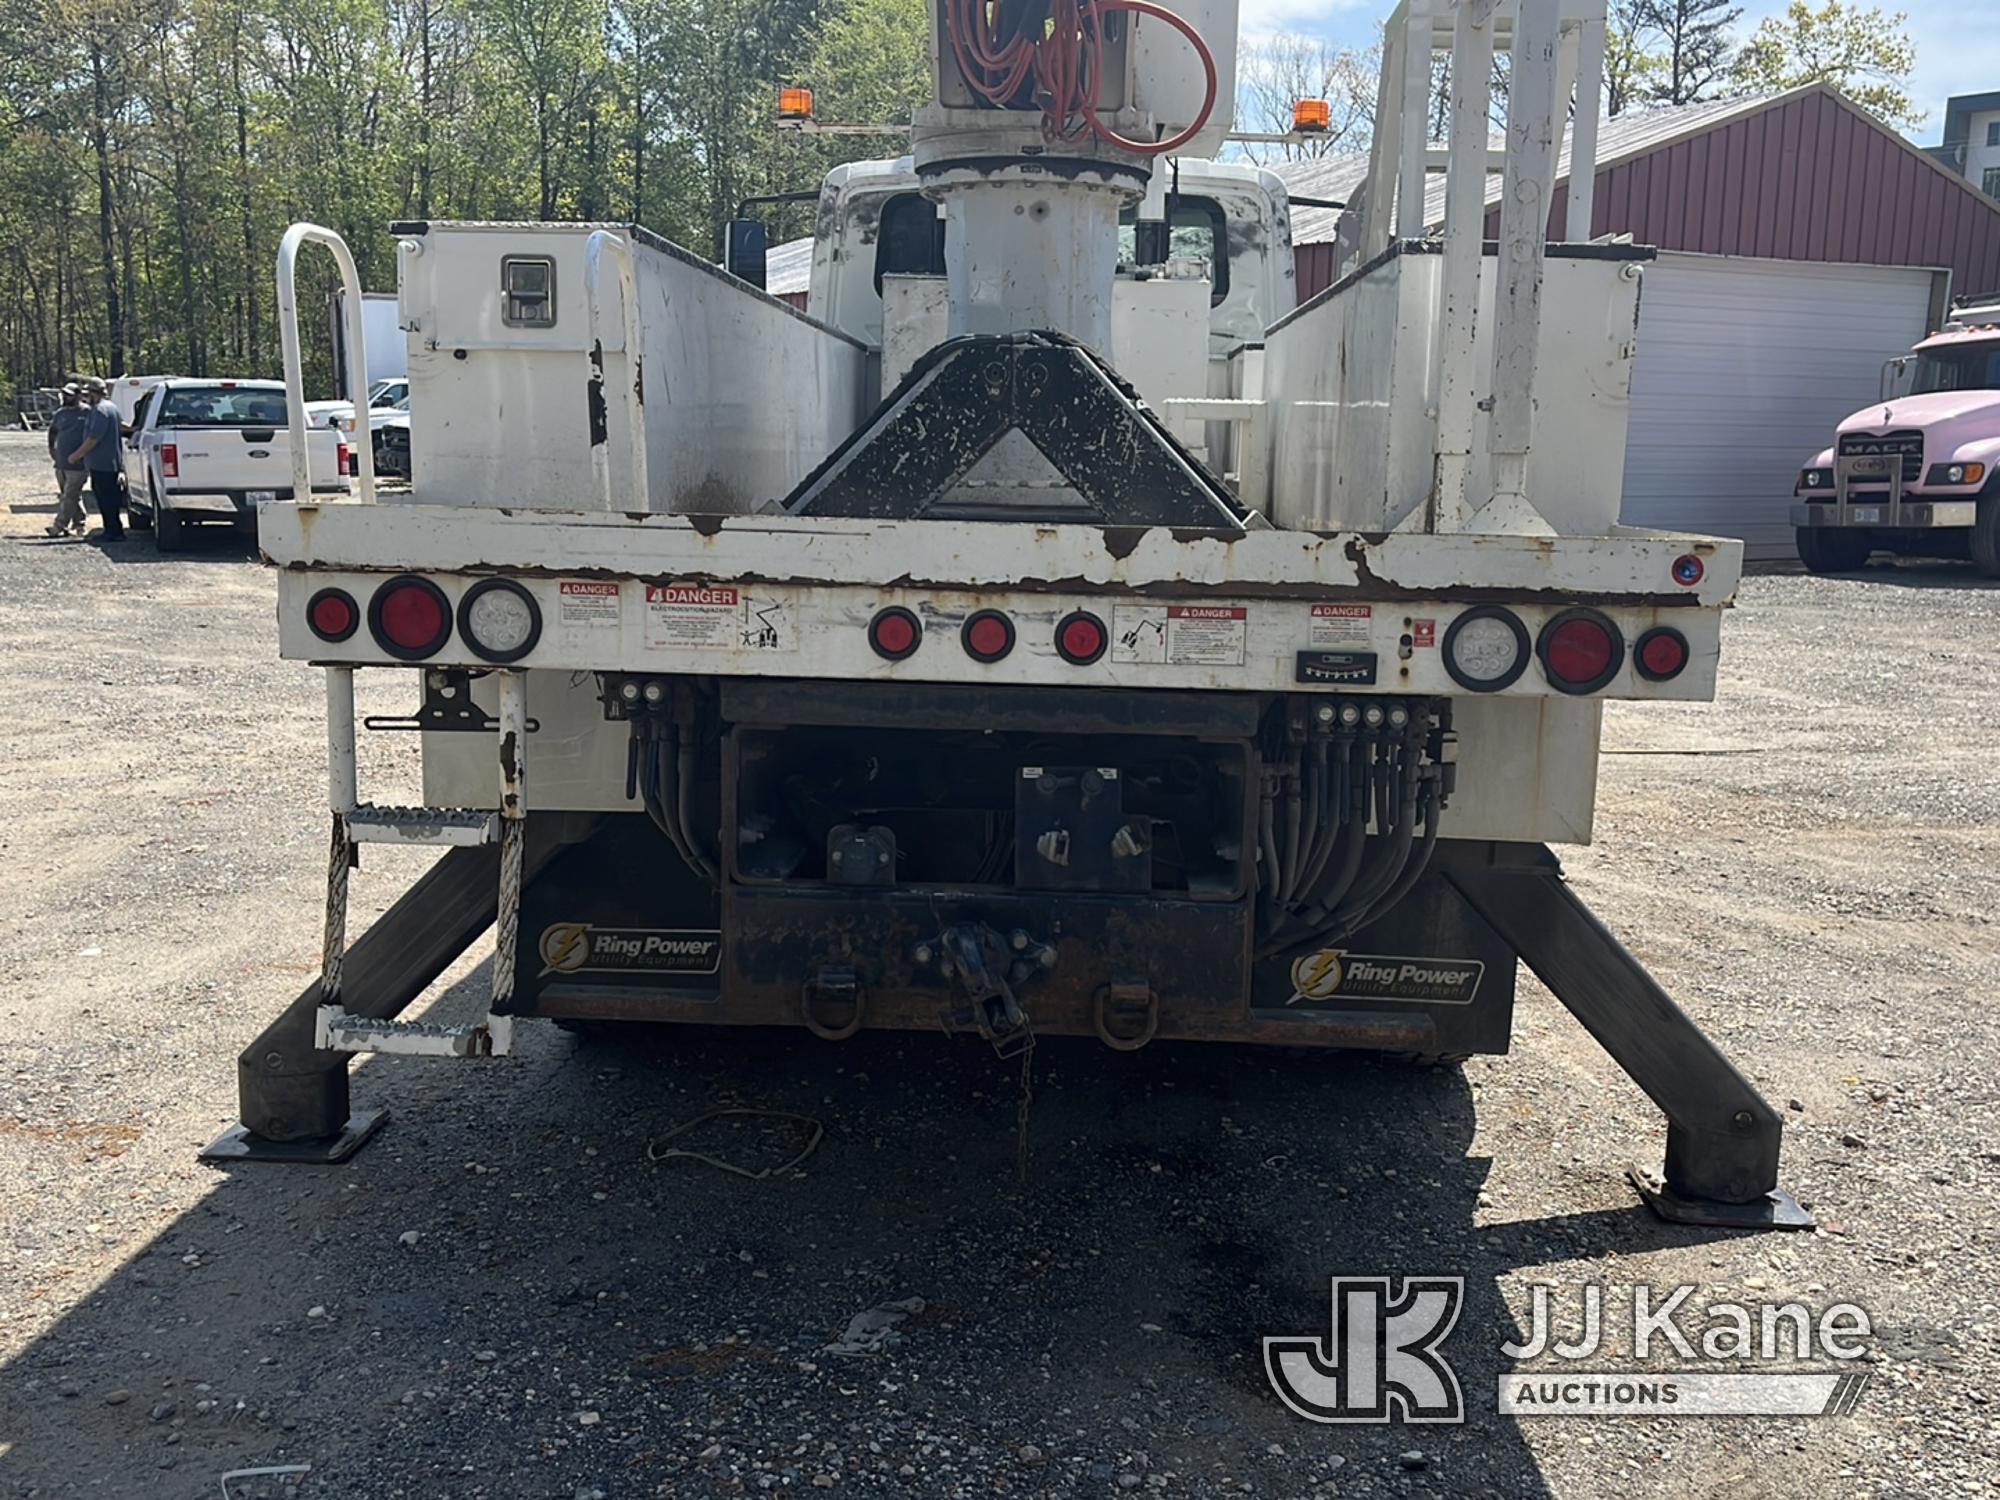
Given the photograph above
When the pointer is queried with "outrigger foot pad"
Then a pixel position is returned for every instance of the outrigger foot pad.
(1777, 1209)
(240, 1143)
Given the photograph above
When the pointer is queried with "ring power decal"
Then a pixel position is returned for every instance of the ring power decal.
(579, 948)
(1333, 974)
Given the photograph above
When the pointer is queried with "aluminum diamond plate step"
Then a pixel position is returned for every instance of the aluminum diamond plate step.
(339, 1031)
(422, 825)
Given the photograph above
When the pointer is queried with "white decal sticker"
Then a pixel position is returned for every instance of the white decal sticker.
(1341, 624)
(588, 604)
(1180, 635)
(1139, 633)
(1207, 635)
(715, 617)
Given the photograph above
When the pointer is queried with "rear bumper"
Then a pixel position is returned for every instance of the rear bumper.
(1909, 514)
(236, 502)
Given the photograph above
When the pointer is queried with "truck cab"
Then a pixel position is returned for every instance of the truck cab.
(1915, 474)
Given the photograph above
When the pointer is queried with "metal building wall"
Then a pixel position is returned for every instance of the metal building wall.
(1808, 177)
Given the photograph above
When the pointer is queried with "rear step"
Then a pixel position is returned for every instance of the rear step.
(369, 824)
(335, 1028)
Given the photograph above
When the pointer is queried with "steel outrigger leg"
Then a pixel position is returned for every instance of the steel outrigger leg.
(1722, 1138)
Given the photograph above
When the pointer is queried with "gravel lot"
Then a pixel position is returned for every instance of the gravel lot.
(501, 1297)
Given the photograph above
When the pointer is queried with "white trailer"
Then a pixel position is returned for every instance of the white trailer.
(904, 666)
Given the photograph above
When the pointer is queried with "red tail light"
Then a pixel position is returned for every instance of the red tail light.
(895, 633)
(343, 462)
(410, 618)
(1580, 650)
(1081, 638)
(1661, 655)
(332, 614)
(170, 460)
(988, 635)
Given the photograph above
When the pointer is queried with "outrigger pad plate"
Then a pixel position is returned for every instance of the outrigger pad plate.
(1120, 464)
(238, 1144)
(1777, 1209)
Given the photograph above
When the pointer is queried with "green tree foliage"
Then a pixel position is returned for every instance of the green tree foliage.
(1690, 40)
(1863, 53)
(1631, 69)
(152, 151)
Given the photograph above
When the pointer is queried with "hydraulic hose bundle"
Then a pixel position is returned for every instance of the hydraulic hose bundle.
(1048, 54)
(1349, 767)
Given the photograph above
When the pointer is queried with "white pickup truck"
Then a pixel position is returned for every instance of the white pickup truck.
(214, 450)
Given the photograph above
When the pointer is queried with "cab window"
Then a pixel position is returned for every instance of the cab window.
(909, 240)
(1194, 229)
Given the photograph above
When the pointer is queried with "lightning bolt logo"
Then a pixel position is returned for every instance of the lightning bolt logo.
(1317, 976)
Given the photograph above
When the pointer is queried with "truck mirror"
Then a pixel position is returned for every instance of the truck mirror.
(744, 251)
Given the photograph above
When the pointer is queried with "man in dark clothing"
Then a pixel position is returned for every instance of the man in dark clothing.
(66, 426)
(102, 453)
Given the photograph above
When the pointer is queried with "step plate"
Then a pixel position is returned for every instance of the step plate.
(338, 1031)
(422, 825)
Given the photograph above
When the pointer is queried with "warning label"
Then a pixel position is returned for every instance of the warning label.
(588, 604)
(1341, 624)
(714, 617)
(1423, 632)
(1180, 635)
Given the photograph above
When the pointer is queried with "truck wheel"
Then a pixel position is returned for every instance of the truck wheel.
(169, 530)
(1985, 538)
(1833, 549)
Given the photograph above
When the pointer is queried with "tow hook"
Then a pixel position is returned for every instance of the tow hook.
(1126, 1014)
(833, 987)
(988, 966)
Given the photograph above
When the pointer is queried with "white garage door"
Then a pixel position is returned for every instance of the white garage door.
(1744, 367)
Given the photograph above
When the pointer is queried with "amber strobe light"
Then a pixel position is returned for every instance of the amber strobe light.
(1311, 116)
(410, 618)
(795, 104)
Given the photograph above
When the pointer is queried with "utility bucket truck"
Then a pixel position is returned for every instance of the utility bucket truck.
(1061, 634)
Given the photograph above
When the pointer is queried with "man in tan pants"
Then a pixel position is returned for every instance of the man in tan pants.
(65, 433)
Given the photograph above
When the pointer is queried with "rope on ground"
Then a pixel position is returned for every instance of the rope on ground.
(660, 1150)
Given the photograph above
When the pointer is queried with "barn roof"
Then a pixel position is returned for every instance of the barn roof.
(1630, 135)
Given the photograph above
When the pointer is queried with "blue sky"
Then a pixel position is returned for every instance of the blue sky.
(1956, 54)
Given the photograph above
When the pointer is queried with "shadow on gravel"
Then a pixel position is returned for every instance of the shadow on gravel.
(1925, 573)
(573, 1320)
(199, 544)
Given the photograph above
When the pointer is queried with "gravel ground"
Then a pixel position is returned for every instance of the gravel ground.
(501, 1297)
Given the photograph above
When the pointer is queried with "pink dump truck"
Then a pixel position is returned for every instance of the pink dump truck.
(1917, 474)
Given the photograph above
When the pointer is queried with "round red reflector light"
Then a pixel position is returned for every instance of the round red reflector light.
(1081, 638)
(410, 618)
(988, 635)
(894, 633)
(1662, 653)
(332, 614)
(1580, 650)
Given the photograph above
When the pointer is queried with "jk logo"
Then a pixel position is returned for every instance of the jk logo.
(1381, 1361)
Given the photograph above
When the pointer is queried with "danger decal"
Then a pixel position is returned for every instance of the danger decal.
(1180, 635)
(715, 617)
(588, 604)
